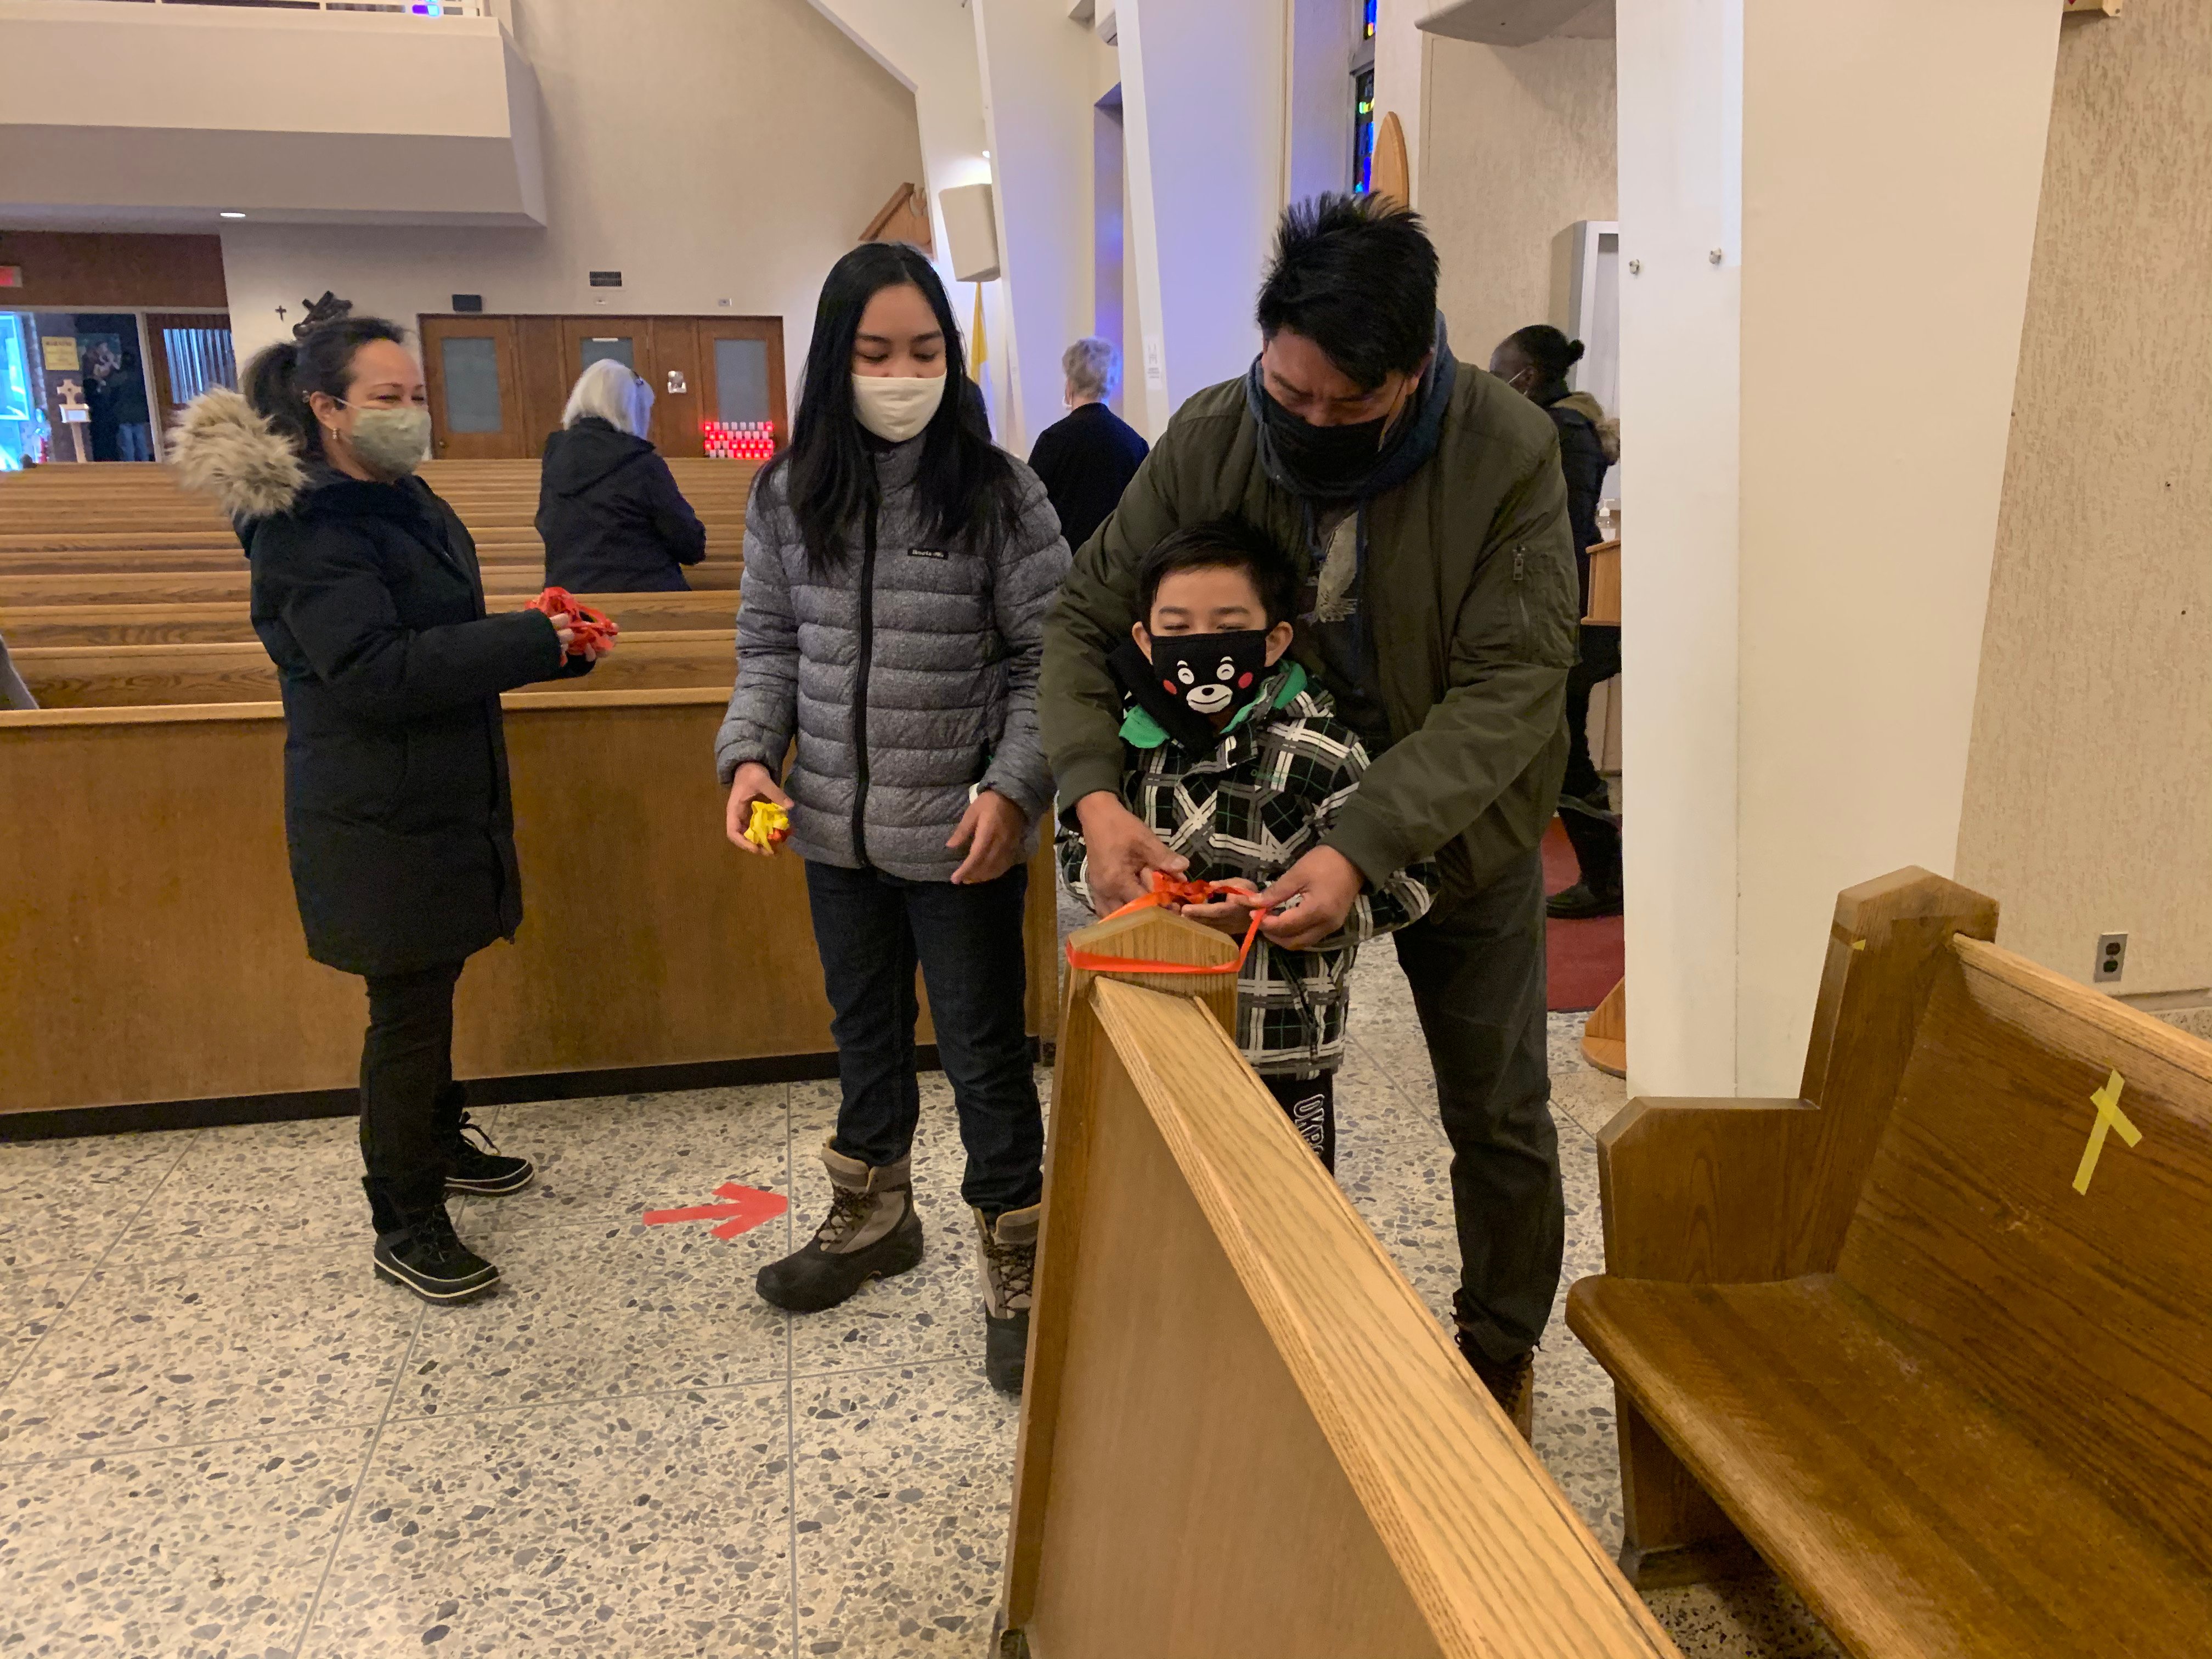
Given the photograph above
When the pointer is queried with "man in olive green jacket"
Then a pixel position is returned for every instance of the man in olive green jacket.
(1427, 502)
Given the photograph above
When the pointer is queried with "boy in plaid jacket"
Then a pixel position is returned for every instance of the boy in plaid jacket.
(1237, 762)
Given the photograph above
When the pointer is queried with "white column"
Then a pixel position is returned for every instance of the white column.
(1820, 420)
(1202, 103)
(1040, 69)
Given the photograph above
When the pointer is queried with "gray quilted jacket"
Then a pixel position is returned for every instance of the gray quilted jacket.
(908, 673)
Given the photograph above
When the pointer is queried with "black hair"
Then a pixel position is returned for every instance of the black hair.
(965, 484)
(1545, 349)
(1223, 545)
(1356, 275)
(280, 377)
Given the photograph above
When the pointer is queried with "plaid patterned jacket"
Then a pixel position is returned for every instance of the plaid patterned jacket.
(1253, 807)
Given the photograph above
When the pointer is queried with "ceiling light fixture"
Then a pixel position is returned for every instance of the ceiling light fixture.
(227, 213)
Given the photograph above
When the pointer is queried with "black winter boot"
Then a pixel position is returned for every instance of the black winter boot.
(416, 1245)
(476, 1166)
(1008, 1251)
(871, 1231)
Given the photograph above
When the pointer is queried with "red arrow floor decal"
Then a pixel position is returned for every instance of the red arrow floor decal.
(747, 1206)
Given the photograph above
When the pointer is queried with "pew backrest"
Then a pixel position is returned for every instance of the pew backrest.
(2039, 1211)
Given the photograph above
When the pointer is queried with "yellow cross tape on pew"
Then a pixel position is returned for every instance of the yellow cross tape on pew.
(2108, 1117)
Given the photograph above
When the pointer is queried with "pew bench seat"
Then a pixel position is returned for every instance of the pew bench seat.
(1917, 1518)
(1935, 1338)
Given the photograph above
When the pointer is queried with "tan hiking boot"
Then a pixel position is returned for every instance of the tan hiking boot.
(1007, 1254)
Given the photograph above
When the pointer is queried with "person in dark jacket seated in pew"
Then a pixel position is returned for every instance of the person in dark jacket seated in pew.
(367, 595)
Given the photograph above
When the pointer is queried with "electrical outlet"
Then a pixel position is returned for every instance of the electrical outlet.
(2112, 959)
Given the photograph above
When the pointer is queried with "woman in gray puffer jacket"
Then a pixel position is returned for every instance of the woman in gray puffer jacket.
(898, 569)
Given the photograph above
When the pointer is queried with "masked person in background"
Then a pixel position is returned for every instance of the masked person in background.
(1437, 608)
(366, 594)
(898, 573)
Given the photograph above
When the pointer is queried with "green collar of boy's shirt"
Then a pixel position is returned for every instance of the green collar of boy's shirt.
(1140, 731)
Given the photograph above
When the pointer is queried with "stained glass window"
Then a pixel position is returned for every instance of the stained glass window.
(1363, 126)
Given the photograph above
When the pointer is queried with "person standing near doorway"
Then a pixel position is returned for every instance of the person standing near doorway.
(898, 569)
(1534, 361)
(397, 810)
(1438, 610)
(1087, 457)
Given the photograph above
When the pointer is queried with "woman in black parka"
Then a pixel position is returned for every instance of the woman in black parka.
(366, 594)
(610, 514)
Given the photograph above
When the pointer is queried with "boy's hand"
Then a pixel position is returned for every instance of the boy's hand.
(1325, 884)
(1231, 914)
(1121, 853)
(990, 832)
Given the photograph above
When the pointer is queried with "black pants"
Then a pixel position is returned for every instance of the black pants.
(1596, 841)
(871, 929)
(1310, 1102)
(1477, 970)
(410, 1108)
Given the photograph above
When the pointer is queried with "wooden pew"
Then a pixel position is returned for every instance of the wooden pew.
(1243, 1436)
(152, 949)
(228, 621)
(1936, 1337)
(137, 676)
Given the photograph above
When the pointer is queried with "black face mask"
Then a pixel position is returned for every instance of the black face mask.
(1210, 674)
(1334, 459)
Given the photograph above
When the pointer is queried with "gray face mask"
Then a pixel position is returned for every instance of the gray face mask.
(391, 442)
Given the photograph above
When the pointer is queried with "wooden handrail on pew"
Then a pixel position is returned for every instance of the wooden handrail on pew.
(152, 951)
(228, 621)
(126, 676)
(1243, 1436)
(1934, 1338)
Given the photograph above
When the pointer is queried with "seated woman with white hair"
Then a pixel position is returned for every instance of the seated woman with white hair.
(611, 517)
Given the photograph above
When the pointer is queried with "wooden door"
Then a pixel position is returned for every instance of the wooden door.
(741, 384)
(477, 410)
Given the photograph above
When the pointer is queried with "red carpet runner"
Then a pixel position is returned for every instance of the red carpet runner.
(1581, 959)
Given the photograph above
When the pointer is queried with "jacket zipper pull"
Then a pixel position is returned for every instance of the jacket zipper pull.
(1520, 563)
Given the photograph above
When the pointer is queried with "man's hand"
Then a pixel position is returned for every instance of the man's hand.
(1231, 914)
(753, 782)
(1325, 883)
(991, 830)
(1121, 853)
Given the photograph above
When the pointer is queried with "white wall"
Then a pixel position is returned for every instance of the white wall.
(929, 47)
(1402, 56)
(1203, 89)
(686, 146)
(1811, 532)
(1324, 34)
(1679, 93)
(1041, 71)
(1520, 144)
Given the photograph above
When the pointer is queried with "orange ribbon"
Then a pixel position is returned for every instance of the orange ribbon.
(588, 626)
(1167, 890)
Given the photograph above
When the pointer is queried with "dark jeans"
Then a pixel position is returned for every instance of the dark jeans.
(1596, 842)
(1477, 969)
(409, 1107)
(1310, 1102)
(871, 929)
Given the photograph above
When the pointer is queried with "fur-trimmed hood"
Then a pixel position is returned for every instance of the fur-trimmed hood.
(1608, 426)
(222, 448)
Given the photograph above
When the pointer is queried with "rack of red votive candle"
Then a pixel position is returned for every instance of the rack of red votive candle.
(739, 441)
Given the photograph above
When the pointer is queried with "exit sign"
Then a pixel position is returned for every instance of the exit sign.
(11, 275)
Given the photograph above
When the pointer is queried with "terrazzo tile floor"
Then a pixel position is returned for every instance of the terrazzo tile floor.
(220, 1438)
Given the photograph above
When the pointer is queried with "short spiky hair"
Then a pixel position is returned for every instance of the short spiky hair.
(1356, 275)
(1223, 545)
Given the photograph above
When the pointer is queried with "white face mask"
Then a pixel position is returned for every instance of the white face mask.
(896, 407)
